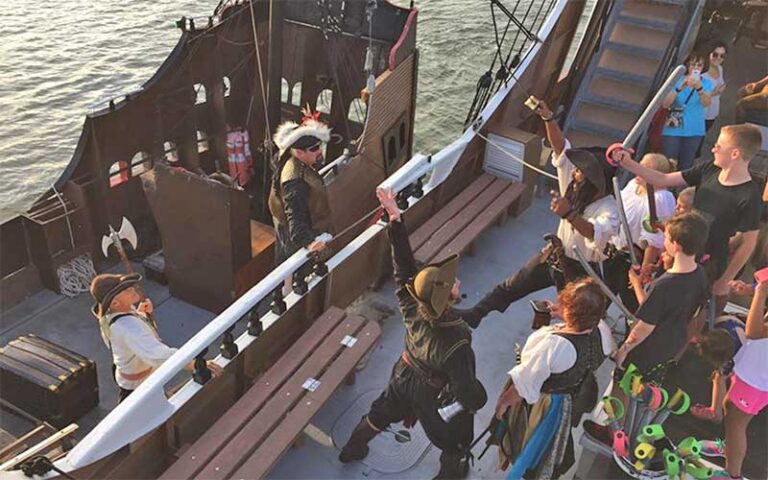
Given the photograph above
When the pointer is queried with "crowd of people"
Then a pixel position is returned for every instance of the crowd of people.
(672, 250)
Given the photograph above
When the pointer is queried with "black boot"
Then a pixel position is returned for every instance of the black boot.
(452, 466)
(357, 446)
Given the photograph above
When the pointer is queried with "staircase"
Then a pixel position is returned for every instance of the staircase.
(638, 42)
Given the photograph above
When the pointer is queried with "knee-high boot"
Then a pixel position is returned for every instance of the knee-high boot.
(357, 445)
(452, 466)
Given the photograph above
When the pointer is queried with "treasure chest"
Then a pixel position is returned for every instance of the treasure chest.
(48, 381)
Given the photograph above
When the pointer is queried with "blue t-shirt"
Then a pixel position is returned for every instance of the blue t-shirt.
(693, 111)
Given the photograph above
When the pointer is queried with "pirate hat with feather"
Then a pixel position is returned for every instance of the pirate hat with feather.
(302, 135)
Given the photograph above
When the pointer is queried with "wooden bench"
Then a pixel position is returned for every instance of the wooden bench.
(249, 439)
(455, 226)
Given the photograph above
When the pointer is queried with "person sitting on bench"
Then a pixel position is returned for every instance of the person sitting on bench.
(437, 367)
(129, 333)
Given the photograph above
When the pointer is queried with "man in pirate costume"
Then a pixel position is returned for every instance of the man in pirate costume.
(437, 367)
(589, 219)
(297, 200)
(129, 333)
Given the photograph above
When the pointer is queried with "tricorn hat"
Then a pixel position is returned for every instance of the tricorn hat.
(302, 135)
(105, 287)
(431, 286)
(591, 161)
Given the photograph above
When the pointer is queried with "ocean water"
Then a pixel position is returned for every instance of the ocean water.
(59, 58)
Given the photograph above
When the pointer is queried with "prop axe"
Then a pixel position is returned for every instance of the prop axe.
(115, 238)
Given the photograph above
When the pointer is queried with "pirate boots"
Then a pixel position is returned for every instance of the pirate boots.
(452, 466)
(357, 446)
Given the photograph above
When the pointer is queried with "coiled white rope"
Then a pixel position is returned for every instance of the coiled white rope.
(75, 276)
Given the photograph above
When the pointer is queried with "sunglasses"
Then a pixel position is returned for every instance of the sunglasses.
(718, 55)
(314, 147)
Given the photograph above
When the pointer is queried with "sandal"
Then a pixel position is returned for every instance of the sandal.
(703, 412)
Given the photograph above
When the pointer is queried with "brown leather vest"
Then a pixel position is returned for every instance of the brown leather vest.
(319, 208)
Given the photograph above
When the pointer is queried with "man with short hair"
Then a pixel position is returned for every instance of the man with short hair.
(727, 196)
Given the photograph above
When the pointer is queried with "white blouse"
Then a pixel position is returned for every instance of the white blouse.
(713, 110)
(636, 209)
(603, 214)
(545, 354)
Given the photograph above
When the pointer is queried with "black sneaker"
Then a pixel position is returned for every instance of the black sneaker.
(601, 433)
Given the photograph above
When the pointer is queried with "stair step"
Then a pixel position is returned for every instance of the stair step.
(624, 76)
(635, 50)
(613, 134)
(581, 139)
(612, 103)
(613, 89)
(661, 25)
(603, 116)
(669, 2)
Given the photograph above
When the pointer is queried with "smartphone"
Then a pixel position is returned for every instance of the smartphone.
(540, 306)
(532, 103)
(762, 275)
(695, 74)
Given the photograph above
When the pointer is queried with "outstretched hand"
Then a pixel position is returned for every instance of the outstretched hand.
(388, 203)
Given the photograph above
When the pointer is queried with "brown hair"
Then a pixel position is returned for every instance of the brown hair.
(693, 56)
(583, 303)
(716, 347)
(747, 138)
(690, 230)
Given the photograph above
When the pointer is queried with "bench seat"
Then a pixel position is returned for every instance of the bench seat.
(455, 226)
(249, 439)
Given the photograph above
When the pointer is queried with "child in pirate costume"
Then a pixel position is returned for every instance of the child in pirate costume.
(554, 385)
(589, 220)
(437, 366)
(297, 199)
(129, 333)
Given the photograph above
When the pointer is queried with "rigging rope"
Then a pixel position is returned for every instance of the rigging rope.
(261, 71)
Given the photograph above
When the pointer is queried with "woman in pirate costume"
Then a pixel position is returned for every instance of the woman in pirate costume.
(589, 219)
(554, 385)
(297, 199)
(437, 367)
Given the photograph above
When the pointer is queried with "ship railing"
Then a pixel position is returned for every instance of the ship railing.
(148, 407)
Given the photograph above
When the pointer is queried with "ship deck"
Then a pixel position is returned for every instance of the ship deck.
(497, 253)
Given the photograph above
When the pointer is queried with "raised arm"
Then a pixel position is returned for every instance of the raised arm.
(654, 177)
(403, 262)
(755, 325)
(555, 136)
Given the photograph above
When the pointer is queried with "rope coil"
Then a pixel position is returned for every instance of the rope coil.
(75, 276)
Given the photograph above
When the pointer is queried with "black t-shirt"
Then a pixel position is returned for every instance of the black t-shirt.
(729, 209)
(670, 305)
